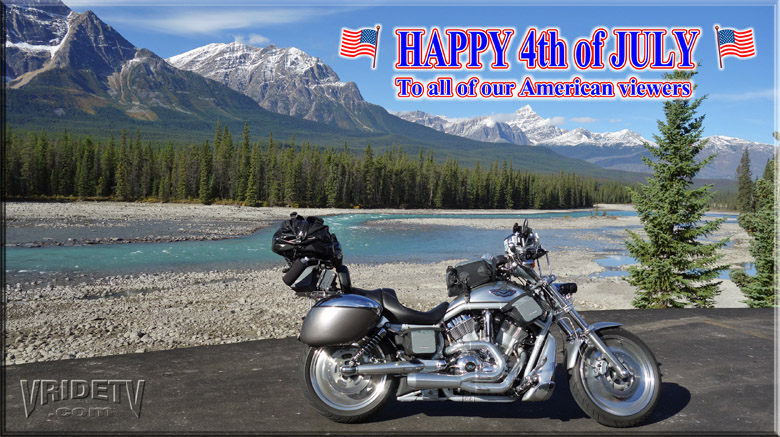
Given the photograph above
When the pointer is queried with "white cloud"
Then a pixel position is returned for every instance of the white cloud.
(584, 119)
(502, 118)
(252, 39)
(767, 94)
(207, 20)
(615, 120)
(557, 120)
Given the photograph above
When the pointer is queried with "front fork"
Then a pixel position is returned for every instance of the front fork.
(578, 331)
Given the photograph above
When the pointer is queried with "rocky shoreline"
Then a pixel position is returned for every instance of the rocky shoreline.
(41, 224)
(86, 316)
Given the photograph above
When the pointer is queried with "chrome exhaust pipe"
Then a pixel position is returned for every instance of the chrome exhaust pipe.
(497, 387)
(475, 345)
(393, 368)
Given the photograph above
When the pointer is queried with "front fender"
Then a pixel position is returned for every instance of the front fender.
(572, 347)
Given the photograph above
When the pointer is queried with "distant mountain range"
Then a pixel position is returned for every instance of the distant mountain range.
(621, 150)
(68, 69)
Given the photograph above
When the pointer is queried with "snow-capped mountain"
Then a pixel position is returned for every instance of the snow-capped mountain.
(582, 137)
(34, 32)
(621, 150)
(523, 127)
(482, 128)
(729, 152)
(536, 128)
(283, 80)
(85, 66)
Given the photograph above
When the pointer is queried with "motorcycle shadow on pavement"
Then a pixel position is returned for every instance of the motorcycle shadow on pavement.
(561, 406)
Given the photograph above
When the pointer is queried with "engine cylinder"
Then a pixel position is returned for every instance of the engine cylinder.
(462, 328)
(509, 335)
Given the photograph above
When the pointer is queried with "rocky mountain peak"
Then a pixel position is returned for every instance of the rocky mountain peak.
(286, 80)
(536, 128)
(34, 31)
(51, 7)
(483, 128)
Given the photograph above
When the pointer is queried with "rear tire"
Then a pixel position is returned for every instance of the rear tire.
(346, 399)
(608, 399)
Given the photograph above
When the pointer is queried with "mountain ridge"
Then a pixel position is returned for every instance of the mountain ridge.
(619, 150)
(284, 80)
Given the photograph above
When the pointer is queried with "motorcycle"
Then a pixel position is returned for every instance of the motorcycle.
(493, 343)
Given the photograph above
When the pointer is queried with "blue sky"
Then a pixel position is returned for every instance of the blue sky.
(742, 97)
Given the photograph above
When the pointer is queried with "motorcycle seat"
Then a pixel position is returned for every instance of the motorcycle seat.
(398, 313)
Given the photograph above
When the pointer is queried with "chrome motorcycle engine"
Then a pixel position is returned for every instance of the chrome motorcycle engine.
(466, 362)
(509, 335)
(465, 328)
(462, 328)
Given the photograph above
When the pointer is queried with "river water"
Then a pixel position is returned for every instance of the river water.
(361, 243)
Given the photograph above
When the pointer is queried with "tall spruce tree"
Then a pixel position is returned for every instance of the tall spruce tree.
(760, 225)
(675, 268)
(206, 190)
(244, 165)
(746, 201)
(252, 182)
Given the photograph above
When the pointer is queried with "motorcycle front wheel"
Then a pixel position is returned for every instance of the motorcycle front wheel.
(346, 399)
(602, 394)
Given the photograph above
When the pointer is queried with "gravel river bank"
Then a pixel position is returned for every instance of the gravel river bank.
(95, 316)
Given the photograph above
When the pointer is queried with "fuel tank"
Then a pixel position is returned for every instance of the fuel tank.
(341, 319)
(504, 296)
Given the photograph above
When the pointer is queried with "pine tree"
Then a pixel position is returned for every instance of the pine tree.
(182, 181)
(760, 225)
(107, 168)
(675, 268)
(65, 182)
(332, 182)
(206, 190)
(769, 170)
(40, 167)
(121, 191)
(251, 191)
(368, 178)
(86, 171)
(244, 164)
(746, 201)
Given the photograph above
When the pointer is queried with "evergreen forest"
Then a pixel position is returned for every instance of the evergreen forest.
(269, 173)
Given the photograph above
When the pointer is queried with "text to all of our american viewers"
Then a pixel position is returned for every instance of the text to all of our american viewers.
(616, 49)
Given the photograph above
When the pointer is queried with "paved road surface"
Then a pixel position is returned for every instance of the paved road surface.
(718, 376)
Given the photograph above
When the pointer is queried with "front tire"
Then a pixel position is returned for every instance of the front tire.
(603, 395)
(346, 399)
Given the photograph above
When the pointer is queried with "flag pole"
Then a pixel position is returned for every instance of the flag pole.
(717, 38)
(376, 47)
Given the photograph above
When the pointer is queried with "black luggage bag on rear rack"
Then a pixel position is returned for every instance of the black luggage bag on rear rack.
(310, 250)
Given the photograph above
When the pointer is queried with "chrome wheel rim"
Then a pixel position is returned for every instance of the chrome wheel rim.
(619, 397)
(347, 393)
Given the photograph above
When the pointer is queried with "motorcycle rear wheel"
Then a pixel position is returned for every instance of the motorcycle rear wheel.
(604, 396)
(346, 399)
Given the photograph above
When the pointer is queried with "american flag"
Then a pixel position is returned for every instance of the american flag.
(736, 42)
(359, 42)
